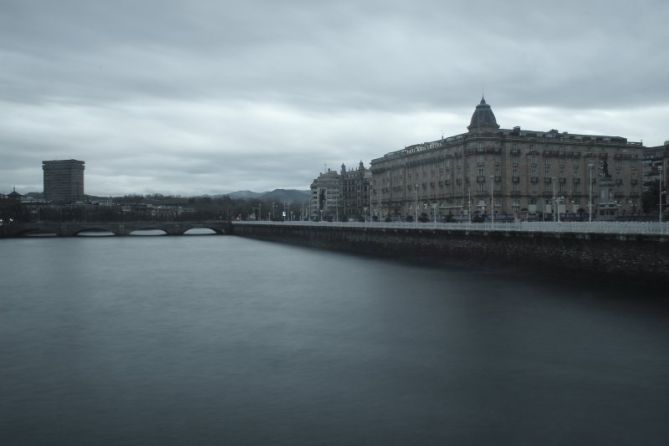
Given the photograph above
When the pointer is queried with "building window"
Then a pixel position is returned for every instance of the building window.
(515, 168)
(547, 168)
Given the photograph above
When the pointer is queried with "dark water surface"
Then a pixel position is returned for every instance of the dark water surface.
(229, 341)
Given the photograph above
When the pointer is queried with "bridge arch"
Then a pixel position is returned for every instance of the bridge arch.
(199, 231)
(35, 232)
(212, 230)
(94, 232)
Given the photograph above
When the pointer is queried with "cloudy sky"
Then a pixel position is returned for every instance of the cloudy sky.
(211, 96)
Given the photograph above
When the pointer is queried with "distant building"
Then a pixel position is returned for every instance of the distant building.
(354, 192)
(13, 195)
(656, 169)
(341, 196)
(63, 181)
(10, 207)
(511, 173)
(325, 196)
(655, 160)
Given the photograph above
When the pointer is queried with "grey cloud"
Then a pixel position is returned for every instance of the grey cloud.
(198, 86)
(340, 55)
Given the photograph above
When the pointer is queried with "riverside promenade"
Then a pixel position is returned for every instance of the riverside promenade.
(634, 250)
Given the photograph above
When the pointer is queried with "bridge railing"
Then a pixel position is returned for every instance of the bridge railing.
(600, 227)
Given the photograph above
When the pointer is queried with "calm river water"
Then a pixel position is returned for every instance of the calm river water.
(221, 340)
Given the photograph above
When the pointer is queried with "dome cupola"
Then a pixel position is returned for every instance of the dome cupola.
(483, 118)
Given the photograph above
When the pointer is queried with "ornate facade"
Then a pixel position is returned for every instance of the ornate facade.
(341, 195)
(521, 174)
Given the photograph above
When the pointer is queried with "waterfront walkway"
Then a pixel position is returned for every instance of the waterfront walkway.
(599, 227)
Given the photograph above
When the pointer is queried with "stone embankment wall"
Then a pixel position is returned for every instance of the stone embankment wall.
(639, 257)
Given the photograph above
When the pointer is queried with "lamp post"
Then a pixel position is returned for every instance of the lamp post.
(590, 192)
(469, 203)
(554, 180)
(337, 208)
(416, 207)
(659, 191)
(492, 199)
(370, 203)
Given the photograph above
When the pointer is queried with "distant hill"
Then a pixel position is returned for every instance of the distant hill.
(244, 194)
(278, 195)
(287, 195)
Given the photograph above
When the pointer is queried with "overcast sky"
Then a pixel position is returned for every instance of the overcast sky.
(211, 96)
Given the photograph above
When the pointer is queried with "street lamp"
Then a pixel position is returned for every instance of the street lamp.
(469, 203)
(416, 207)
(555, 217)
(590, 192)
(370, 204)
(337, 207)
(492, 199)
(659, 191)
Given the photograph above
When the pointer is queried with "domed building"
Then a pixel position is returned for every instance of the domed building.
(13, 195)
(508, 174)
(483, 120)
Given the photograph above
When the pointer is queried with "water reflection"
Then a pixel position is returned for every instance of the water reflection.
(95, 233)
(148, 232)
(223, 340)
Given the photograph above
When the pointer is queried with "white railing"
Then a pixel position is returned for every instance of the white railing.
(601, 227)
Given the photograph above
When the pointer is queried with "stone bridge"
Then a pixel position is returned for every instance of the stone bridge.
(117, 228)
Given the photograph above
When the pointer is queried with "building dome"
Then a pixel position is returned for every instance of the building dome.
(14, 195)
(483, 118)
